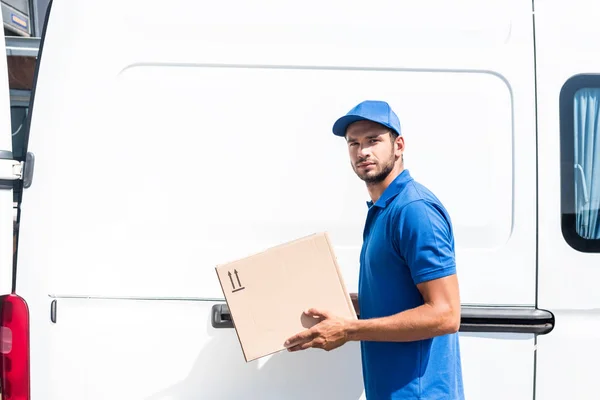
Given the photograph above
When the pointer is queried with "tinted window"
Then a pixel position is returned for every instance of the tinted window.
(580, 162)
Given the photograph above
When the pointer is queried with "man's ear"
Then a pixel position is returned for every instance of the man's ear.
(399, 143)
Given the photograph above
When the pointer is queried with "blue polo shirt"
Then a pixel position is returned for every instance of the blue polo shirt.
(408, 239)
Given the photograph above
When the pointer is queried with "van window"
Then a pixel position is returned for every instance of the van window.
(18, 117)
(580, 162)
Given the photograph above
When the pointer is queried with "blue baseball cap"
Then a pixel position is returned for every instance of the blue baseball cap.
(368, 110)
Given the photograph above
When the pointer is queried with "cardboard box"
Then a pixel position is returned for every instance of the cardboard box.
(267, 293)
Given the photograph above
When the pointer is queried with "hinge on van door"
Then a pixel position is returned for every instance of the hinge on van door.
(13, 170)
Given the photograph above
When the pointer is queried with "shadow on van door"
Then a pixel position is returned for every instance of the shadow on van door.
(220, 372)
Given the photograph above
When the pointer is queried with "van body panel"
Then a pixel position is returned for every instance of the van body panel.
(568, 278)
(151, 108)
(163, 157)
(99, 351)
(144, 225)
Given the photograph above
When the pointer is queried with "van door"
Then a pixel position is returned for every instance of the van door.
(161, 155)
(14, 315)
(569, 187)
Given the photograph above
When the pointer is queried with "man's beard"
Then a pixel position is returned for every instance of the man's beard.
(379, 176)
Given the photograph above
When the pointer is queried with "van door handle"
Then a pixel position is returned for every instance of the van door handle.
(221, 317)
(473, 319)
(506, 320)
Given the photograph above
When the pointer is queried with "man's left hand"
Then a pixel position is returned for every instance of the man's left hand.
(329, 334)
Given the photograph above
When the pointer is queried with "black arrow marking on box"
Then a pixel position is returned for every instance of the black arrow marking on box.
(231, 279)
(237, 276)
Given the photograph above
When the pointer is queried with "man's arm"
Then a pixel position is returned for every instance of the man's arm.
(439, 315)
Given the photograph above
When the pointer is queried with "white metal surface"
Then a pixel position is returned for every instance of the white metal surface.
(568, 279)
(239, 108)
(180, 357)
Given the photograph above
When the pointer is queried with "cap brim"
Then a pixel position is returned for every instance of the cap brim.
(340, 126)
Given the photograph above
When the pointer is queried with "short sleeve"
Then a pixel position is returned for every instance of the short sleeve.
(425, 241)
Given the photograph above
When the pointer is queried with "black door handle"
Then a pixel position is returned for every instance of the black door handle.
(221, 317)
(506, 319)
(473, 319)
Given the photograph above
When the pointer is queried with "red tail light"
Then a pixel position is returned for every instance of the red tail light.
(14, 348)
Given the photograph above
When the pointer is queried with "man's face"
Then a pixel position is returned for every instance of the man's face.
(373, 152)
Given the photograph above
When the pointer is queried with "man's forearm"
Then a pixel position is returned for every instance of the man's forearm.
(419, 323)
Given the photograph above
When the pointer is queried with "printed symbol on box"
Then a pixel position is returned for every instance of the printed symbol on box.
(240, 287)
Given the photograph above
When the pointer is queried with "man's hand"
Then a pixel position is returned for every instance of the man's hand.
(329, 334)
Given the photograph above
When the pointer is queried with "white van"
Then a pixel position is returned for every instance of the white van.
(158, 156)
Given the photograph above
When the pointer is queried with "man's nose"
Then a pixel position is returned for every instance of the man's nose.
(364, 151)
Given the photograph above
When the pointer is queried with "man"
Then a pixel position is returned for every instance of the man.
(408, 297)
